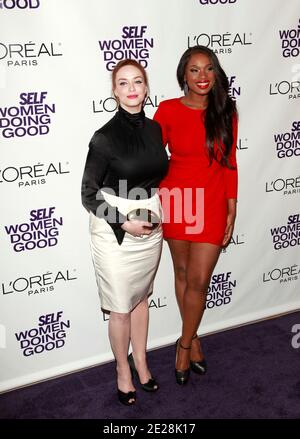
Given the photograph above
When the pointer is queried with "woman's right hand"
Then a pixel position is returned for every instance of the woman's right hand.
(137, 228)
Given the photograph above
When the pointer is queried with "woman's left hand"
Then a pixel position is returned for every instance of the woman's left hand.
(230, 221)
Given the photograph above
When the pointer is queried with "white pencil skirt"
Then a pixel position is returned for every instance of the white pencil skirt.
(125, 273)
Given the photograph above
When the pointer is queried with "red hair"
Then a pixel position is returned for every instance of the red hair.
(128, 62)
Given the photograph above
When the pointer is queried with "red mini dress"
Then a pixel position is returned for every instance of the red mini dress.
(194, 192)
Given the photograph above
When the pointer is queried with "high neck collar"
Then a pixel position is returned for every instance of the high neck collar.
(135, 120)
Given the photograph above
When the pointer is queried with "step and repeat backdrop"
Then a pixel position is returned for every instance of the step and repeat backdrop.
(56, 59)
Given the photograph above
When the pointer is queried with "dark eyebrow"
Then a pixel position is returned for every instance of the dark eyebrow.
(194, 65)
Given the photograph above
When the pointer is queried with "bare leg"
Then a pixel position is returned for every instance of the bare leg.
(180, 253)
(201, 263)
(119, 333)
(138, 336)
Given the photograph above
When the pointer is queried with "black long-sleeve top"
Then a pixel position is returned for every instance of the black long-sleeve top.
(128, 147)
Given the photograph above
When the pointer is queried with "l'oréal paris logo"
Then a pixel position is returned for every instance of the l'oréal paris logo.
(157, 303)
(31, 116)
(235, 241)
(288, 143)
(32, 175)
(283, 275)
(291, 89)
(154, 304)
(109, 104)
(20, 54)
(19, 4)
(39, 283)
(40, 232)
(286, 186)
(221, 43)
(242, 144)
(133, 44)
(290, 42)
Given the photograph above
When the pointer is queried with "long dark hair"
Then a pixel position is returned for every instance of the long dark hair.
(220, 110)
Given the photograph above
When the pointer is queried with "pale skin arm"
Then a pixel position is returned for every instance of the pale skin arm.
(231, 214)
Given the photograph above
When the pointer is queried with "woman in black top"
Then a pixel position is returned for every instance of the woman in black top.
(125, 163)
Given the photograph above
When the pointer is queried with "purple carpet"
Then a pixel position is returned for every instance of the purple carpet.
(253, 373)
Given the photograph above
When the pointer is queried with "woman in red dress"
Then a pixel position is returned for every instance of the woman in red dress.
(199, 193)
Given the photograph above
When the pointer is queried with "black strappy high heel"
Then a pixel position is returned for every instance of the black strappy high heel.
(199, 367)
(151, 385)
(124, 398)
(182, 376)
